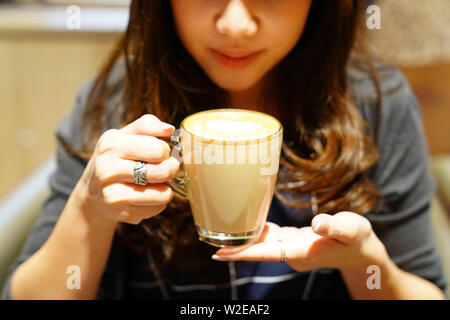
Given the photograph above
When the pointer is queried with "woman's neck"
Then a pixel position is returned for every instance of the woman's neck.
(250, 99)
(244, 100)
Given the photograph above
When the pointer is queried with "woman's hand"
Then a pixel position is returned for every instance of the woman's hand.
(107, 186)
(343, 241)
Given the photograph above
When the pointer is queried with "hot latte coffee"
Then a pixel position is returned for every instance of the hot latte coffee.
(230, 158)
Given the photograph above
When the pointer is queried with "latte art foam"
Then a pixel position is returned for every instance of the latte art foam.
(231, 125)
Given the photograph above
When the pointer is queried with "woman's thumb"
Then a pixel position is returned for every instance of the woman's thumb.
(346, 227)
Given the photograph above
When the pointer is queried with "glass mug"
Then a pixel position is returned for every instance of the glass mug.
(230, 160)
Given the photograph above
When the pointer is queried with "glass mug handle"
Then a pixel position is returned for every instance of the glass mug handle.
(178, 184)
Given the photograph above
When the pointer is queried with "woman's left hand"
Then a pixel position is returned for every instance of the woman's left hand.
(343, 241)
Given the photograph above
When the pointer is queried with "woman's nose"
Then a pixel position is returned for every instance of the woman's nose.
(236, 20)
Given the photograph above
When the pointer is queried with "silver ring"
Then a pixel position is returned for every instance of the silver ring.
(139, 173)
(282, 251)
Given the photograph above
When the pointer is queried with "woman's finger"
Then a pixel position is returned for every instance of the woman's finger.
(262, 251)
(111, 169)
(270, 232)
(135, 214)
(296, 245)
(133, 147)
(149, 125)
(136, 195)
(266, 248)
(346, 227)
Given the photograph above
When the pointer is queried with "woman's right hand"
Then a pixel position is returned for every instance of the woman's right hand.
(107, 186)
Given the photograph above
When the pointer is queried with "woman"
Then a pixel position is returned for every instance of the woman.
(182, 56)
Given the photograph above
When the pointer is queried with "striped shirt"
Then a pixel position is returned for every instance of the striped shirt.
(246, 280)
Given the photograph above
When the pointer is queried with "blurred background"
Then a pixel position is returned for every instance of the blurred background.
(45, 55)
(42, 63)
(47, 51)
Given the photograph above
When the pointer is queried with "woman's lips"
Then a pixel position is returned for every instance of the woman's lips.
(236, 62)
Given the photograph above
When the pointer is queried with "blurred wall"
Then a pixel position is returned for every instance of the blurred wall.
(42, 64)
(431, 84)
(415, 36)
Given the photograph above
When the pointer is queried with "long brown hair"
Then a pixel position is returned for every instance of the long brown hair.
(327, 147)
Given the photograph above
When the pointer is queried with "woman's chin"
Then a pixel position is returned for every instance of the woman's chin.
(235, 86)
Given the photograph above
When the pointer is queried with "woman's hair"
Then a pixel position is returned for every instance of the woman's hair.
(327, 148)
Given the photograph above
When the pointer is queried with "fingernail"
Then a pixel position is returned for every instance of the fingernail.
(166, 126)
(215, 257)
(317, 223)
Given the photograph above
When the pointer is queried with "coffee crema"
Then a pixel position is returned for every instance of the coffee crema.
(231, 125)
